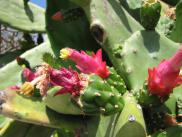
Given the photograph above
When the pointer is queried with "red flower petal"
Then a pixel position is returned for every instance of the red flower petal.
(163, 78)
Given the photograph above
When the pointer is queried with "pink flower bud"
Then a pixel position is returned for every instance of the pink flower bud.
(163, 78)
(85, 63)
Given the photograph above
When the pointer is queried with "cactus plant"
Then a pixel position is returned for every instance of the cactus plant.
(82, 94)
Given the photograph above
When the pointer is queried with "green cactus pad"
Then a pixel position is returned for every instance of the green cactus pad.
(74, 33)
(128, 123)
(176, 32)
(150, 14)
(61, 103)
(25, 17)
(19, 129)
(139, 50)
(34, 110)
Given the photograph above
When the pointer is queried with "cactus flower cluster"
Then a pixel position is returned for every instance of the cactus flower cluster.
(166, 76)
(69, 80)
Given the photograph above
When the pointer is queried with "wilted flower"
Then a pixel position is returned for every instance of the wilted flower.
(85, 63)
(163, 78)
(70, 81)
(40, 79)
(28, 74)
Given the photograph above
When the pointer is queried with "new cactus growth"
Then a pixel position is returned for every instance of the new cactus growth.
(150, 14)
(100, 97)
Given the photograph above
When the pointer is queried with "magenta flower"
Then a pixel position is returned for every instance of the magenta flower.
(163, 78)
(85, 63)
(28, 74)
(70, 81)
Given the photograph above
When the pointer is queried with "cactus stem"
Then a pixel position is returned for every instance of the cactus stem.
(97, 94)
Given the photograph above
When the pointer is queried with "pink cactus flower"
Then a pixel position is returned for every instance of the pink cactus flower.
(85, 63)
(163, 78)
(28, 74)
(70, 81)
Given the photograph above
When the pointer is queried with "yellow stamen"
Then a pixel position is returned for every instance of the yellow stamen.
(23, 66)
(64, 53)
(27, 89)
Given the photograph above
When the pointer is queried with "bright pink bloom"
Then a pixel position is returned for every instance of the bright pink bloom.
(70, 81)
(163, 78)
(28, 74)
(57, 16)
(85, 63)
